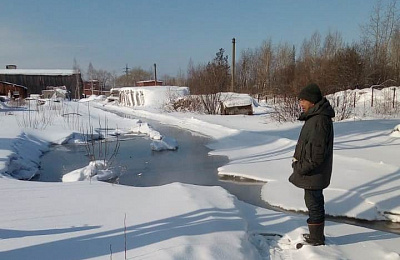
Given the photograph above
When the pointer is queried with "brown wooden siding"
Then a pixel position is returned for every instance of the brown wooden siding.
(6, 87)
(36, 83)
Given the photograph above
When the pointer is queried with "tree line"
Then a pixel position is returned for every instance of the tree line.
(282, 69)
(326, 60)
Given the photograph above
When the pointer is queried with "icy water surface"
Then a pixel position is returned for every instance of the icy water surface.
(138, 165)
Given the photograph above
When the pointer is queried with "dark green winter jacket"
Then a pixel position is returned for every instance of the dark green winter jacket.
(314, 149)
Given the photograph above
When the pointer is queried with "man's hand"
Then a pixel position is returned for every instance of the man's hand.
(294, 160)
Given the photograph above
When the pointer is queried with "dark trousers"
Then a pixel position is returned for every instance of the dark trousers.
(316, 206)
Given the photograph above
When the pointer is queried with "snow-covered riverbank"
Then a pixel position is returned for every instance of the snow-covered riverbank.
(83, 220)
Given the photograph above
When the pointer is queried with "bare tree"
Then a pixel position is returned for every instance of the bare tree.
(332, 44)
(134, 75)
(77, 71)
(210, 80)
(90, 72)
(178, 80)
(309, 60)
(105, 79)
(246, 71)
(283, 68)
(264, 72)
(395, 54)
(377, 39)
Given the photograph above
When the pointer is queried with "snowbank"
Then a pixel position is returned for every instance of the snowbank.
(396, 131)
(82, 220)
(145, 128)
(96, 170)
(156, 96)
(93, 98)
(24, 158)
(159, 142)
(166, 143)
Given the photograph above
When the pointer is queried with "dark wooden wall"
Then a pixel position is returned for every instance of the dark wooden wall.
(6, 87)
(36, 83)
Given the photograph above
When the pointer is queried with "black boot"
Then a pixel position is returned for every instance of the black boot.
(316, 236)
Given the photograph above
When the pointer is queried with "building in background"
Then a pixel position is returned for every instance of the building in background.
(37, 80)
(94, 87)
(13, 90)
(148, 83)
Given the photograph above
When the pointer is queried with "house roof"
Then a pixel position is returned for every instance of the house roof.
(9, 83)
(145, 81)
(44, 72)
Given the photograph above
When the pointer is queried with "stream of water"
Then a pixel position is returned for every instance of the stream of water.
(138, 165)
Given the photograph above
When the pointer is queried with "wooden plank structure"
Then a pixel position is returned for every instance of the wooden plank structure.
(236, 110)
(36, 80)
(13, 90)
(94, 87)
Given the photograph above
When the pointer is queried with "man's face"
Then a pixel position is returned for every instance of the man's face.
(305, 105)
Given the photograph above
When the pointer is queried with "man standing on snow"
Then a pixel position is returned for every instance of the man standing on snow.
(313, 157)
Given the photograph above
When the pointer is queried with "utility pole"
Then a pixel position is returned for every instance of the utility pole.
(233, 64)
(126, 70)
(155, 74)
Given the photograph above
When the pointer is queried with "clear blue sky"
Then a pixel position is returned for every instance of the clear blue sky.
(45, 34)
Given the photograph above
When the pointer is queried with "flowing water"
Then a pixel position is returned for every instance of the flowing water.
(138, 165)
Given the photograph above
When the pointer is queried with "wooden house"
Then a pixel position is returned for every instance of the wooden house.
(91, 87)
(94, 87)
(236, 104)
(36, 80)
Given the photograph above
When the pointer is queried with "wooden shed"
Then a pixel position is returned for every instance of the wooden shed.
(13, 90)
(236, 104)
(36, 80)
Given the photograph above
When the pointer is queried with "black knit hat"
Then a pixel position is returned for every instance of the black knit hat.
(311, 93)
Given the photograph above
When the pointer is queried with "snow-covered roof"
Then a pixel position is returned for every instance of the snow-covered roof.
(47, 72)
(236, 100)
(145, 81)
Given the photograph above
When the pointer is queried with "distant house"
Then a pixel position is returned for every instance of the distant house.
(237, 104)
(13, 90)
(93, 87)
(36, 80)
(148, 83)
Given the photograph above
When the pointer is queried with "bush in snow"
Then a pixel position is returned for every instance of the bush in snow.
(343, 104)
(396, 131)
(190, 103)
(40, 113)
(385, 101)
(286, 109)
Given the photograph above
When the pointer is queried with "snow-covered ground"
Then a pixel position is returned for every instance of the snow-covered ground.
(91, 219)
